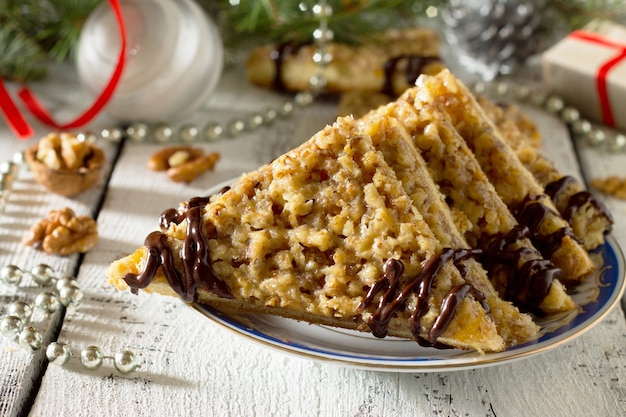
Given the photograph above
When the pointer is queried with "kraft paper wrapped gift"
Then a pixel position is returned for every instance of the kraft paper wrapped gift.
(587, 69)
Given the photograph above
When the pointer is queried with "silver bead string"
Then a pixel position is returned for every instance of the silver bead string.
(322, 57)
(9, 172)
(18, 324)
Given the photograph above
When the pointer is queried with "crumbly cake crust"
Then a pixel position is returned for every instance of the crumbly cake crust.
(397, 147)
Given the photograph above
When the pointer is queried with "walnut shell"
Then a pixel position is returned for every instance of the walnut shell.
(66, 182)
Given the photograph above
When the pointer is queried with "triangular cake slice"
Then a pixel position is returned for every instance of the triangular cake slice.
(325, 234)
(515, 185)
(588, 217)
(518, 271)
(397, 147)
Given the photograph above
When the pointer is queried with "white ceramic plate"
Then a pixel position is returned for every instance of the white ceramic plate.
(595, 297)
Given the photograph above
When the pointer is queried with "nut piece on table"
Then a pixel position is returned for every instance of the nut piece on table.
(612, 185)
(65, 165)
(63, 233)
(183, 163)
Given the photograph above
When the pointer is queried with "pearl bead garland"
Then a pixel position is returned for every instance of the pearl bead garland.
(17, 325)
(140, 132)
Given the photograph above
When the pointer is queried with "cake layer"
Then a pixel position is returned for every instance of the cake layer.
(517, 187)
(589, 219)
(397, 147)
(388, 63)
(512, 261)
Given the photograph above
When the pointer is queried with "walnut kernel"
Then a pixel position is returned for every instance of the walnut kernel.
(64, 164)
(183, 163)
(612, 185)
(64, 233)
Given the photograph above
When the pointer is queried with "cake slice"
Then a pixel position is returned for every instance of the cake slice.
(516, 268)
(326, 234)
(515, 185)
(396, 145)
(588, 217)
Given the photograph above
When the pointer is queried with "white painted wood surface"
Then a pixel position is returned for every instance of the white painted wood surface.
(193, 367)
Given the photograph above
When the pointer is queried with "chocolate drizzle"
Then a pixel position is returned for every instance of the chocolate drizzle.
(532, 213)
(174, 216)
(414, 67)
(556, 188)
(529, 283)
(395, 298)
(194, 254)
(278, 57)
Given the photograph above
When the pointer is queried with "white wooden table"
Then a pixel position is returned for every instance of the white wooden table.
(193, 367)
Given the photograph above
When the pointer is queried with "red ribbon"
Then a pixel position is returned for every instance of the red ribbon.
(601, 82)
(18, 123)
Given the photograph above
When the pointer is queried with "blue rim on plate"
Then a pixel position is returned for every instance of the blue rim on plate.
(595, 298)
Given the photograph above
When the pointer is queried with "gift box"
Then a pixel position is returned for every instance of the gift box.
(587, 69)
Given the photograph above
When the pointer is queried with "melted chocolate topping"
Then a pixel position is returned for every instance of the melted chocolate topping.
(531, 213)
(575, 202)
(394, 298)
(415, 66)
(528, 284)
(174, 216)
(198, 272)
(448, 308)
(278, 56)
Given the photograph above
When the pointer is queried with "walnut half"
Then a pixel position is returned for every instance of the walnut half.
(183, 163)
(64, 164)
(64, 233)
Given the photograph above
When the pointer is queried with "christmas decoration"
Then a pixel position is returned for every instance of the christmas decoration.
(22, 128)
(593, 60)
(34, 31)
(294, 21)
(496, 36)
(19, 323)
(174, 58)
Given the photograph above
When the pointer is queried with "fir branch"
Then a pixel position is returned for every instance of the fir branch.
(294, 21)
(21, 58)
(34, 31)
(63, 31)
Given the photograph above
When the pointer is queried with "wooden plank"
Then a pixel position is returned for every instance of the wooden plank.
(20, 371)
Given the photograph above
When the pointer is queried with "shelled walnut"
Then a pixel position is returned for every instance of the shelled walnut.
(64, 164)
(183, 163)
(62, 232)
